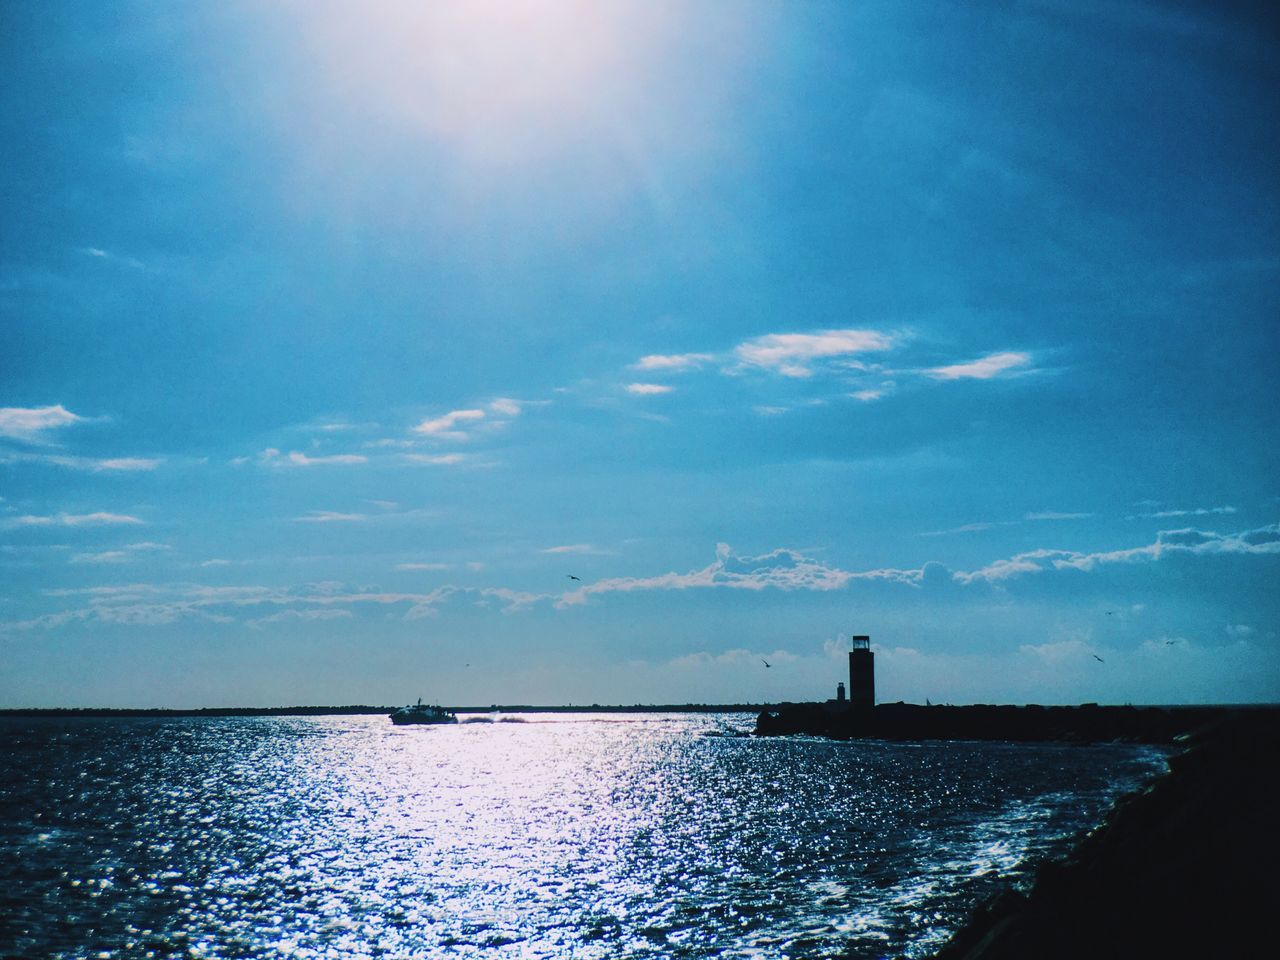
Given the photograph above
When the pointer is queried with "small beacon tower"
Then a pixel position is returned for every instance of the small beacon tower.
(862, 674)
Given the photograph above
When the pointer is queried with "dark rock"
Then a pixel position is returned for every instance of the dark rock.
(1185, 868)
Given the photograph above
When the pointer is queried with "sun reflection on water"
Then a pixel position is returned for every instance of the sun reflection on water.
(564, 836)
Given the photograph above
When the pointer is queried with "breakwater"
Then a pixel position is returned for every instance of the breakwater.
(1184, 868)
(1088, 723)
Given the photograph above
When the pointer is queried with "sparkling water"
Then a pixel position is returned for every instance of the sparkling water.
(517, 836)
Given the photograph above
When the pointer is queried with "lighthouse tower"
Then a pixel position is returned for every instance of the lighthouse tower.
(862, 674)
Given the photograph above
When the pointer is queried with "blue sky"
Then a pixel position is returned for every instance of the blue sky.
(334, 340)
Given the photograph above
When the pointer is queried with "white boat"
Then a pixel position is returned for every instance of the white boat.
(422, 713)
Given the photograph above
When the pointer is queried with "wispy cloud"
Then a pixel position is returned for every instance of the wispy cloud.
(424, 566)
(793, 354)
(107, 256)
(648, 389)
(31, 423)
(506, 406)
(572, 548)
(1197, 512)
(126, 554)
(273, 457)
(160, 604)
(303, 460)
(330, 516)
(444, 426)
(789, 570)
(1055, 515)
(107, 556)
(965, 528)
(780, 569)
(672, 363)
(1257, 542)
(435, 460)
(305, 616)
(98, 519)
(88, 464)
(985, 368)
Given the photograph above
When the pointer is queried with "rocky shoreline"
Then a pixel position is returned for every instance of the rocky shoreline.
(1088, 723)
(1185, 868)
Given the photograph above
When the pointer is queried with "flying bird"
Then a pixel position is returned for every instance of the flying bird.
(1110, 612)
(572, 577)
(1098, 658)
(765, 662)
(1169, 643)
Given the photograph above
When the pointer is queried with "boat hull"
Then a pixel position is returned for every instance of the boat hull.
(418, 721)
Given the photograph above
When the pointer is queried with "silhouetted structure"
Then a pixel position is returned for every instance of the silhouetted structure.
(1183, 868)
(839, 693)
(862, 674)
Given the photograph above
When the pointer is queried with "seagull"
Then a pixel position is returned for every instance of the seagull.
(1110, 612)
(765, 662)
(1169, 643)
(572, 577)
(1098, 658)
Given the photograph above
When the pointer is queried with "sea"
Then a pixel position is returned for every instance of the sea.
(519, 836)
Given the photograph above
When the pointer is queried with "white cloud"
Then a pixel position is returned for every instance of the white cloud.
(648, 389)
(99, 254)
(1197, 512)
(424, 566)
(505, 406)
(100, 518)
(1055, 515)
(443, 426)
(29, 423)
(125, 463)
(302, 615)
(329, 516)
(91, 464)
(157, 604)
(866, 396)
(780, 569)
(108, 556)
(672, 363)
(791, 354)
(571, 548)
(1262, 541)
(302, 460)
(126, 554)
(438, 460)
(985, 368)
(966, 528)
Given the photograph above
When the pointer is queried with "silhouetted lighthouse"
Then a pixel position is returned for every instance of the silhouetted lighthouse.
(862, 674)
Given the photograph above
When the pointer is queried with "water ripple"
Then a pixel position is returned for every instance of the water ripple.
(562, 836)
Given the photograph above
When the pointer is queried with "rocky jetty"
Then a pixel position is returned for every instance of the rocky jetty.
(1186, 868)
(1088, 723)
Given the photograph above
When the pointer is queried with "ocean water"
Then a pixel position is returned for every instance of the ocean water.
(582, 836)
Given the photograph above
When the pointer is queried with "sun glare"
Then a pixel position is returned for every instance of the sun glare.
(485, 76)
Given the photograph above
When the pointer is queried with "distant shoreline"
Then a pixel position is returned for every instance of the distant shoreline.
(373, 710)
(367, 710)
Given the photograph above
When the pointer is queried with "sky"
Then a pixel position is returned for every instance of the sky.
(601, 352)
